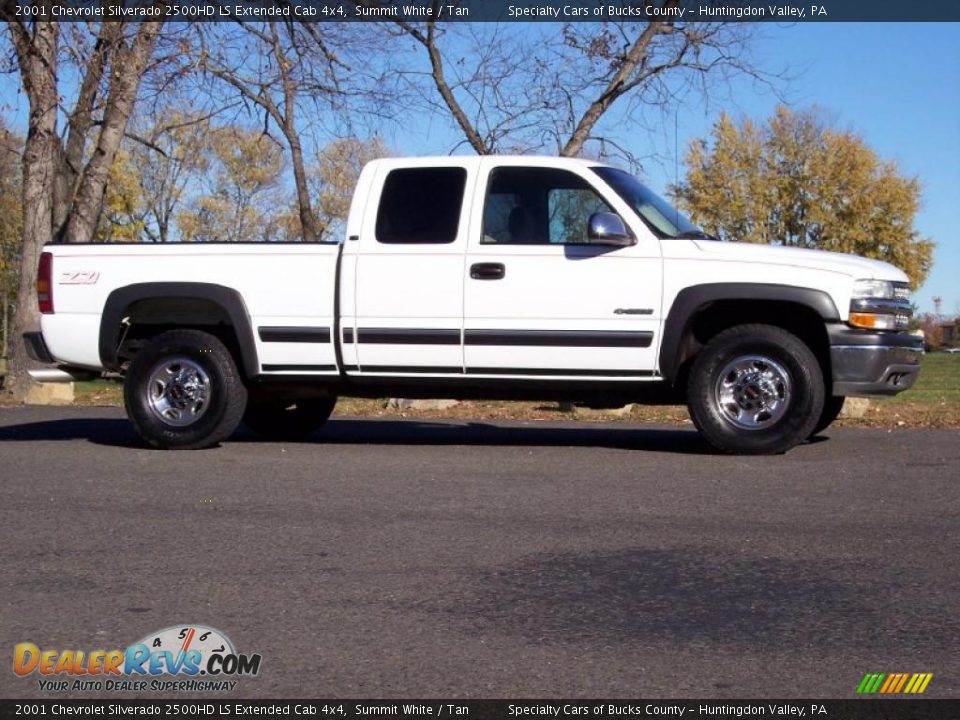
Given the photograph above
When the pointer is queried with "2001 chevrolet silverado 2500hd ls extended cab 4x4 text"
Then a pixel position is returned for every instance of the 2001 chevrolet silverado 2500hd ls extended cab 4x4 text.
(482, 277)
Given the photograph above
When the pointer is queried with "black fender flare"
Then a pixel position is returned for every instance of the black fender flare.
(119, 301)
(692, 300)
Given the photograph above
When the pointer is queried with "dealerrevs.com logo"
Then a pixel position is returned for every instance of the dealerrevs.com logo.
(187, 658)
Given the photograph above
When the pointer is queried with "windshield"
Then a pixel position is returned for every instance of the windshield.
(659, 215)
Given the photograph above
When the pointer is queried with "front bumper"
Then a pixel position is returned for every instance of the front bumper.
(866, 362)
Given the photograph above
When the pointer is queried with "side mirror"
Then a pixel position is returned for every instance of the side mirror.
(605, 228)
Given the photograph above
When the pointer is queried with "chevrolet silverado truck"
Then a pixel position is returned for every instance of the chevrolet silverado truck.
(480, 278)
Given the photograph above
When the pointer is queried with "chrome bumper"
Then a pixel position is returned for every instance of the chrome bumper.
(37, 350)
(873, 363)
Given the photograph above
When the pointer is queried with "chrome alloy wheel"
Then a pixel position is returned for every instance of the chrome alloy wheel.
(753, 392)
(179, 391)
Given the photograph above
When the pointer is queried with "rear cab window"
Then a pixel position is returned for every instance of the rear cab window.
(421, 206)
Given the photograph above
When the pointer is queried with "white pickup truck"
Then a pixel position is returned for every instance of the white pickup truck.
(481, 278)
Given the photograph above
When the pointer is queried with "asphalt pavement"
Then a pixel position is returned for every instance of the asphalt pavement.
(402, 558)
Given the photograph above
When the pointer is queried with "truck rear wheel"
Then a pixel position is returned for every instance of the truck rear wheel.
(755, 390)
(183, 391)
(287, 420)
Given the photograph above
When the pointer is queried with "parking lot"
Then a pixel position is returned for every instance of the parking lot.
(432, 559)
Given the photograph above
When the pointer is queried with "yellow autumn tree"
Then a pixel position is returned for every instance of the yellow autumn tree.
(335, 175)
(124, 203)
(175, 157)
(797, 181)
(242, 204)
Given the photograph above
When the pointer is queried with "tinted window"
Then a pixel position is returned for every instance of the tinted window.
(421, 205)
(538, 206)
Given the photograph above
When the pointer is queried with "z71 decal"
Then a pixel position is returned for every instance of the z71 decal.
(81, 277)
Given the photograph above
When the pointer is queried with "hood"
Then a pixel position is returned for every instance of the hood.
(845, 263)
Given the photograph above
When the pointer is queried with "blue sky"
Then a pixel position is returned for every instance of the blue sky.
(896, 84)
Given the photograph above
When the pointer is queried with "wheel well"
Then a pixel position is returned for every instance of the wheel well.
(712, 319)
(147, 318)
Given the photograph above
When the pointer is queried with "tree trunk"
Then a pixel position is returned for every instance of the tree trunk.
(70, 159)
(308, 221)
(6, 324)
(38, 67)
(127, 69)
(52, 190)
(619, 85)
(429, 42)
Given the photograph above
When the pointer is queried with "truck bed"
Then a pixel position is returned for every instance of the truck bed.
(284, 285)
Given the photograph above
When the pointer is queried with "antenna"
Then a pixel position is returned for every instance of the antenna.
(676, 160)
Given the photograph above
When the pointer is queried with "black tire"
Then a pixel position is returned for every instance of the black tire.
(183, 391)
(755, 390)
(832, 407)
(287, 420)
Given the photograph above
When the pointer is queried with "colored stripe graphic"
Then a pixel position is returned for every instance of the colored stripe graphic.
(894, 683)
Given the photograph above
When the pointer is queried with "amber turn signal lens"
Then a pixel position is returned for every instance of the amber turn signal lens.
(874, 321)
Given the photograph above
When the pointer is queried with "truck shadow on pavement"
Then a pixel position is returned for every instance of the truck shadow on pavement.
(420, 432)
(117, 432)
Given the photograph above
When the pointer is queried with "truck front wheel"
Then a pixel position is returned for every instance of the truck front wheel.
(755, 390)
(183, 391)
(287, 420)
(832, 407)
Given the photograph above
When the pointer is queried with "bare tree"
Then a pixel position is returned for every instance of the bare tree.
(285, 71)
(484, 77)
(170, 154)
(543, 86)
(64, 178)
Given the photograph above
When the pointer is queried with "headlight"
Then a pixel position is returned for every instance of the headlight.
(880, 305)
(882, 289)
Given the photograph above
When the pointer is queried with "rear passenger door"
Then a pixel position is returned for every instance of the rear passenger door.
(409, 273)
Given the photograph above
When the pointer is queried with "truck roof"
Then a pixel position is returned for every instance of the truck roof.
(473, 160)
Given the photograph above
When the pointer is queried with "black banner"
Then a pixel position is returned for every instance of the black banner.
(866, 709)
(795, 11)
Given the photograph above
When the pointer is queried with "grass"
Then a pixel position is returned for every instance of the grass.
(933, 402)
(939, 381)
(98, 392)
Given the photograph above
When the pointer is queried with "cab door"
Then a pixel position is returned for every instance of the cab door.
(540, 299)
(407, 312)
